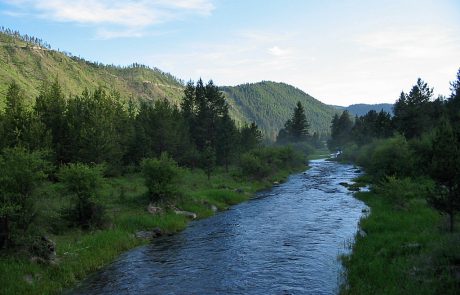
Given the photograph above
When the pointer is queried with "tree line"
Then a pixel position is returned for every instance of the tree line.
(421, 141)
(78, 140)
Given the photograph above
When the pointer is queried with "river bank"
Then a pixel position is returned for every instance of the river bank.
(80, 253)
(283, 241)
(403, 247)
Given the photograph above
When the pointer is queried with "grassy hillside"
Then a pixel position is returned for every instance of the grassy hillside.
(270, 104)
(30, 64)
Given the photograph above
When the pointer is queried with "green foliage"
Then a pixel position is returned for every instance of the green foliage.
(161, 177)
(94, 121)
(296, 128)
(340, 131)
(270, 104)
(82, 184)
(445, 169)
(263, 162)
(404, 252)
(20, 126)
(208, 160)
(28, 65)
(250, 137)
(50, 107)
(253, 166)
(413, 111)
(21, 173)
(391, 157)
(400, 191)
(372, 125)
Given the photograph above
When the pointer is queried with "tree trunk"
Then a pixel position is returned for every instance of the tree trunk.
(4, 232)
(451, 221)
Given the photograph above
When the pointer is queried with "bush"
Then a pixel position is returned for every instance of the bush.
(161, 177)
(265, 161)
(82, 182)
(389, 157)
(21, 172)
(401, 191)
(252, 166)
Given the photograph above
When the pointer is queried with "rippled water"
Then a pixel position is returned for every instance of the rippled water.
(286, 241)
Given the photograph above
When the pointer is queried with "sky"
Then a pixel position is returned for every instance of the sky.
(339, 51)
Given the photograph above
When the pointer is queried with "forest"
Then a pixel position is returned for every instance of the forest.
(91, 169)
(412, 160)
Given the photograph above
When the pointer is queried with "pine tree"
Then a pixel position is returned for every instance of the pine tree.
(299, 124)
(412, 113)
(50, 107)
(445, 170)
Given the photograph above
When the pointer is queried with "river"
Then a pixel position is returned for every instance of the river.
(284, 241)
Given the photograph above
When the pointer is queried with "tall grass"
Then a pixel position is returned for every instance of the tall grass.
(406, 250)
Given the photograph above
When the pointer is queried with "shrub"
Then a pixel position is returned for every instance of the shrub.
(252, 166)
(262, 162)
(391, 157)
(161, 177)
(401, 191)
(82, 182)
(21, 172)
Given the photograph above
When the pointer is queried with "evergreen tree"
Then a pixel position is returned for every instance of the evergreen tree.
(340, 130)
(22, 127)
(50, 107)
(208, 159)
(412, 114)
(296, 128)
(250, 137)
(299, 124)
(445, 170)
(226, 140)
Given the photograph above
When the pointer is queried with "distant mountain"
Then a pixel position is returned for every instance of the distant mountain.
(362, 109)
(270, 104)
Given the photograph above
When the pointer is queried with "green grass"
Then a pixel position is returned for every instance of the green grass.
(407, 250)
(83, 252)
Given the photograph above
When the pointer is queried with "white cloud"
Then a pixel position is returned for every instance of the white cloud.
(279, 52)
(132, 16)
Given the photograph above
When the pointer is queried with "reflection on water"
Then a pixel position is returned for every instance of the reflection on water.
(285, 241)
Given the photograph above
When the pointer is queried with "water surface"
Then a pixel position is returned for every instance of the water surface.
(285, 241)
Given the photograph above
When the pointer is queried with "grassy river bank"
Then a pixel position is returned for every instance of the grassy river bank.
(404, 246)
(80, 253)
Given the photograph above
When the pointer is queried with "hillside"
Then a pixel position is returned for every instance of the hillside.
(362, 109)
(270, 104)
(30, 61)
(29, 64)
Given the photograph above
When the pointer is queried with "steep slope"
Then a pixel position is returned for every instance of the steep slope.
(362, 109)
(270, 104)
(29, 64)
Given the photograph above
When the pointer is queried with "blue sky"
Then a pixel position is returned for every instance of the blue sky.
(339, 51)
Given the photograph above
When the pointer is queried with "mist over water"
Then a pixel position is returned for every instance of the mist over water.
(285, 241)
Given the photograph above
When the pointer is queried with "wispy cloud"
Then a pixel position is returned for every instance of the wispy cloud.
(279, 52)
(129, 17)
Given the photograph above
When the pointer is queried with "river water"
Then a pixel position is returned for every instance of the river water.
(285, 241)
